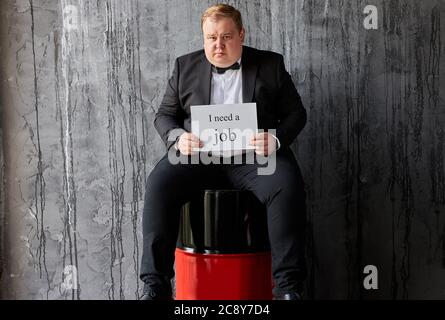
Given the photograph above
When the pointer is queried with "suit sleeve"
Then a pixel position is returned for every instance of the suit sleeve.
(170, 115)
(291, 112)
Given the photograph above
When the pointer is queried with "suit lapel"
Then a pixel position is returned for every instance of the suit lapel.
(249, 67)
(204, 70)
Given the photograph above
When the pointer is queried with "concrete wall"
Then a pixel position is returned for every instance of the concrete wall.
(81, 81)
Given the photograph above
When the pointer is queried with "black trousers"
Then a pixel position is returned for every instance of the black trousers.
(169, 186)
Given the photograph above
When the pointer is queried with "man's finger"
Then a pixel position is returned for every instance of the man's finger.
(260, 148)
(189, 144)
(193, 144)
(261, 143)
(256, 141)
(260, 152)
(261, 136)
(191, 137)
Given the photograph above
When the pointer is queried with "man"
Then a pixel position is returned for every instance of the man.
(226, 72)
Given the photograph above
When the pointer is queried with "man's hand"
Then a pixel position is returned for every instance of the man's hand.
(186, 142)
(264, 143)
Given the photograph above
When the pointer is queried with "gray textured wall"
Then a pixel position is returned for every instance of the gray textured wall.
(79, 89)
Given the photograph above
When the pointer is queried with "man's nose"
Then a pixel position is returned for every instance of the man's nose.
(219, 43)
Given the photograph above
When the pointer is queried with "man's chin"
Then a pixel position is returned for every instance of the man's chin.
(221, 63)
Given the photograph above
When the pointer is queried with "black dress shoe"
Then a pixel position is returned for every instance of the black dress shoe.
(289, 296)
(156, 293)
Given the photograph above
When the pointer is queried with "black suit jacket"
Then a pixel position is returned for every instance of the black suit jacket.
(264, 80)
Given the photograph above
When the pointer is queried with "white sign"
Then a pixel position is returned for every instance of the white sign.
(224, 127)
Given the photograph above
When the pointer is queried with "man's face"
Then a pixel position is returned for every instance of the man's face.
(223, 42)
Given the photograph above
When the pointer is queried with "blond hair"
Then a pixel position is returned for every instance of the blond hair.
(223, 11)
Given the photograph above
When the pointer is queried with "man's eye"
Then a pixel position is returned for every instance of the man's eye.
(227, 37)
(212, 38)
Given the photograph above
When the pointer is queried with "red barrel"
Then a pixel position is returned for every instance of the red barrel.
(223, 250)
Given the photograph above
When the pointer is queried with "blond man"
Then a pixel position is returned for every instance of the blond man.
(227, 72)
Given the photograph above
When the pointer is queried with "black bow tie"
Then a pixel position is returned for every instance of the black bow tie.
(234, 66)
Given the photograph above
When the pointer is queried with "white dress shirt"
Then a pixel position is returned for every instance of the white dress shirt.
(227, 88)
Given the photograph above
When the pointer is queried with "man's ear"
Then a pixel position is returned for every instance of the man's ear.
(241, 34)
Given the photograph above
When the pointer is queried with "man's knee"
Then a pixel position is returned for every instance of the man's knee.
(161, 177)
(286, 187)
(288, 175)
